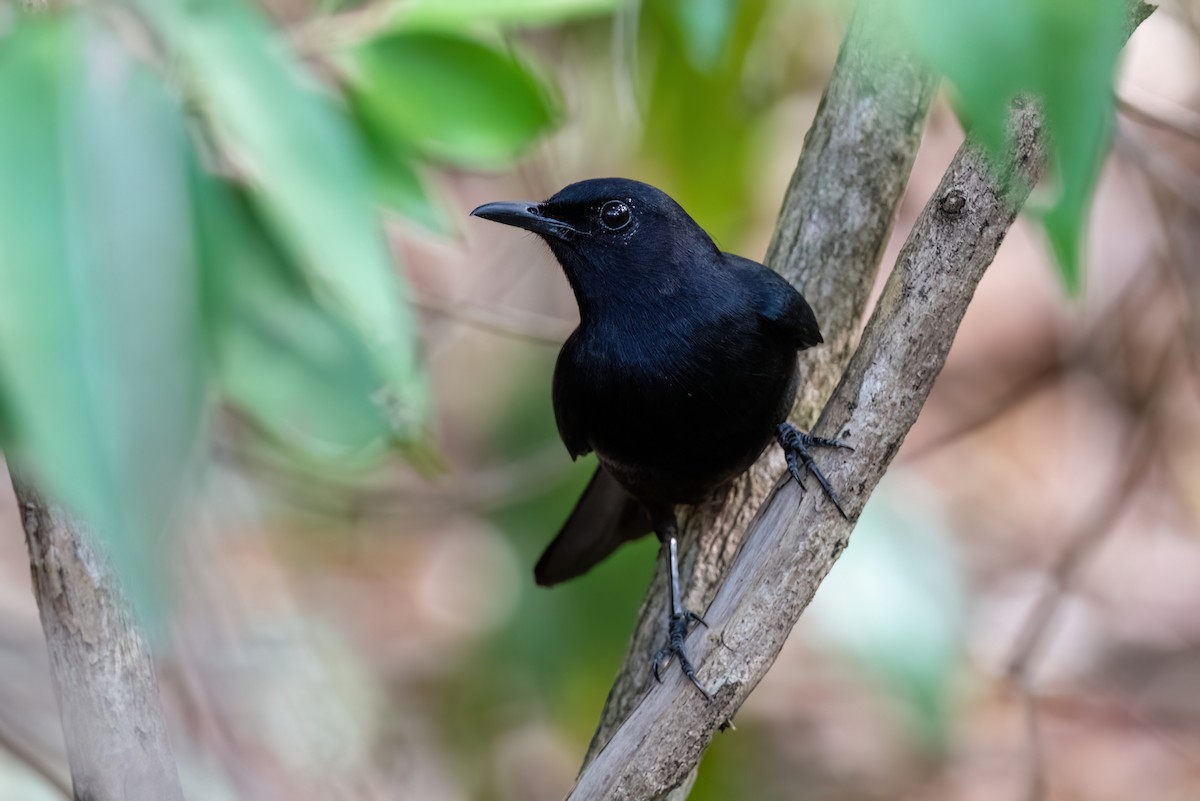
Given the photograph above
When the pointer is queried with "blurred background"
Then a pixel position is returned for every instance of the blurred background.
(1017, 615)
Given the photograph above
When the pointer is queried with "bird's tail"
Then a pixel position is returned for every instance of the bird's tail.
(605, 517)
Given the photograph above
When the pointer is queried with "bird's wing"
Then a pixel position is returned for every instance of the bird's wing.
(778, 303)
(605, 517)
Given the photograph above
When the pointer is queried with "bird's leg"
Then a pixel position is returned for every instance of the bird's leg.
(666, 528)
(795, 445)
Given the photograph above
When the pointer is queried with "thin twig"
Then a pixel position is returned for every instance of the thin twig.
(1139, 451)
(1165, 116)
(1180, 238)
(540, 329)
(1025, 390)
(1087, 537)
(1167, 170)
(477, 490)
(1082, 544)
(321, 34)
(1078, 355)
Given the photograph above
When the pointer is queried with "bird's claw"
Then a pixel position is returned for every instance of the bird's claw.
(795, 445)
(676, 631)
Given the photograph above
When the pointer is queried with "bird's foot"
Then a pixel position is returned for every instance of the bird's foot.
(676, 631)
(795, 447)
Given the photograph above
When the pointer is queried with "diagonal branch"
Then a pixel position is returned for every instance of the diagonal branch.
(834, 224)
(649, 740)
(796, 537)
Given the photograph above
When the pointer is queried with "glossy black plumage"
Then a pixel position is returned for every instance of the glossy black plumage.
(680, 373)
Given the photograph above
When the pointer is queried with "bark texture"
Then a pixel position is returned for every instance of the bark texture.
(103, 676)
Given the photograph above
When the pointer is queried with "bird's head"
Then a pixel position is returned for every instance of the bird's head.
(616, 238)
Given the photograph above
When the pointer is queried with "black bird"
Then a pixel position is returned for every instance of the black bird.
(682, 370)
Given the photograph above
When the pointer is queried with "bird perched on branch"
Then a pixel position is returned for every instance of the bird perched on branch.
(682, 370)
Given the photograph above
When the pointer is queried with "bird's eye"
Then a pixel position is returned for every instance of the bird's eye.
(615, 215)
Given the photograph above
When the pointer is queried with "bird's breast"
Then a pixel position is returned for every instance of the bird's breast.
(672, 413)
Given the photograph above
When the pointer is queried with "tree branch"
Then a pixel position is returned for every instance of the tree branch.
(649, 742)
(835, 222)
(107, 695)
(797, 536)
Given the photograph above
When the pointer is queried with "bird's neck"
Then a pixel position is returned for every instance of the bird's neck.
(630, 294)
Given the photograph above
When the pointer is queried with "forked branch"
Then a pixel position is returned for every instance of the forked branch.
(796, 537)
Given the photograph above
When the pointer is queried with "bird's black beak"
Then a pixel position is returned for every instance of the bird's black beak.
(524, 215)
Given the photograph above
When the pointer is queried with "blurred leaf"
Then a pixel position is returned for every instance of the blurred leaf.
(398, 184)
(7, 433)
(399, 188)
(700, 127)
(101, 357)
(309, 175)
(705, 26)
(333, 6)
(894, 603)
(453, 98)
(1063, 52)
(457, 14)
(299, 370)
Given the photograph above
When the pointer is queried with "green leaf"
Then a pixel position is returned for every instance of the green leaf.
(8, 434)
(101, 358)
(1061, 51)
(398, 184)
(706, 27)
(696, 110)
(454, 99)
(298, 369)
(400, 189)
(457, 14)
(309, 175)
